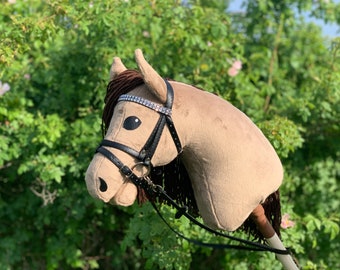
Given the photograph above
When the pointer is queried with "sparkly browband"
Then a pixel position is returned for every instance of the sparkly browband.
(147, 103)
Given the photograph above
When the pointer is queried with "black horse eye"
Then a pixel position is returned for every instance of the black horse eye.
(131, 123)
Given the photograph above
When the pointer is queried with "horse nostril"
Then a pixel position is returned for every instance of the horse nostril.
(103, 185)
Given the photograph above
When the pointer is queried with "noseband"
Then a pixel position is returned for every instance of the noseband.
(145, 155)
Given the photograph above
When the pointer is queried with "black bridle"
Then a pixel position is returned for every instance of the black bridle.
(144, 157)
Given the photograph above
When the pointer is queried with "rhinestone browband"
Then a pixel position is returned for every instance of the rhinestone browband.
(147, 103)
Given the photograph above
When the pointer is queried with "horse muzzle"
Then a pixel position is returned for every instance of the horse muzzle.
(105, 182)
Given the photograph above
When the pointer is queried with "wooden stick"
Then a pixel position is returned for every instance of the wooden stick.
(272, 238)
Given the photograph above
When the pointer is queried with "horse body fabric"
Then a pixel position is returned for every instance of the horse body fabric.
(232, 166)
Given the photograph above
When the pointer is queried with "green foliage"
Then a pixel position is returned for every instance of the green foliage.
(160, 248)
(284, 135)
(55, 56)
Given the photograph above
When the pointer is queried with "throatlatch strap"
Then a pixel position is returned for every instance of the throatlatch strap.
(174, 134)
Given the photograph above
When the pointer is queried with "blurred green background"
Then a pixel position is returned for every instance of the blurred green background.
(54, 66)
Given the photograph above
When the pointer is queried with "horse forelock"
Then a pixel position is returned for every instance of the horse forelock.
(120, 85)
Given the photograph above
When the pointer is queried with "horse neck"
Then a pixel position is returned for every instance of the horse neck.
(220, 141)
(195, 119)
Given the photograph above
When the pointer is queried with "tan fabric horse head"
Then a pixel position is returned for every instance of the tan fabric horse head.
(232, 166)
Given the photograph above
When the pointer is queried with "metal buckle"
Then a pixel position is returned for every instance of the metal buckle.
(143, 164)
(154, 188)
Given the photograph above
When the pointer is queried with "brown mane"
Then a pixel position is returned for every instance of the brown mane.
(174, 177)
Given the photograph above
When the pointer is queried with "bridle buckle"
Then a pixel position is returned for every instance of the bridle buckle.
(143, 164)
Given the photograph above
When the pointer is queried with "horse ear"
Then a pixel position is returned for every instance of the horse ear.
(116, 68)
(151, 78)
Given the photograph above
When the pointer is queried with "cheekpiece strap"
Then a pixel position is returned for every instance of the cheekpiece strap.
(147, 103)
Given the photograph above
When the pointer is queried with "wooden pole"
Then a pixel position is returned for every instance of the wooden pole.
(272, 238)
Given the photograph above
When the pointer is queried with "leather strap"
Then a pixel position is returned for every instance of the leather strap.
(122, 147)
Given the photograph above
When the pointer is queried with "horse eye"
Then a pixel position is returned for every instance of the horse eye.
(131, 123)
